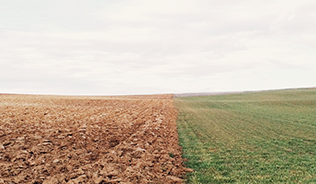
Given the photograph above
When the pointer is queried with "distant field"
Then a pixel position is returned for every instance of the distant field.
(258, 137)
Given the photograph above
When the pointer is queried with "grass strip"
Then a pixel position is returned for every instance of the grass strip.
(258, 137)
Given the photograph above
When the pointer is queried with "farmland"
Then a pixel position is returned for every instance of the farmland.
(257, 137)
(64, 139)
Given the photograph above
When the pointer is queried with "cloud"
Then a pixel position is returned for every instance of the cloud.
(124, 47)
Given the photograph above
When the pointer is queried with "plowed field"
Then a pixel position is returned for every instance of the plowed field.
(58, 139)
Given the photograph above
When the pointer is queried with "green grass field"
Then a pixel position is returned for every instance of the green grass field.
(257, 137)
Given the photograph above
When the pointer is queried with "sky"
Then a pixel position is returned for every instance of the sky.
(119, 47)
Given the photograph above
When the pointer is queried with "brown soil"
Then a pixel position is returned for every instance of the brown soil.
(58, 139)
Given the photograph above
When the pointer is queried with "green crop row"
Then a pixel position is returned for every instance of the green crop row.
(257, 137)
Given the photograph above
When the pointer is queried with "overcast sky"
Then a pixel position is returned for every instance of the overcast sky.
(112, 47)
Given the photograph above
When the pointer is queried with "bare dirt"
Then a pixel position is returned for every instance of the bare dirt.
(59, 139)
